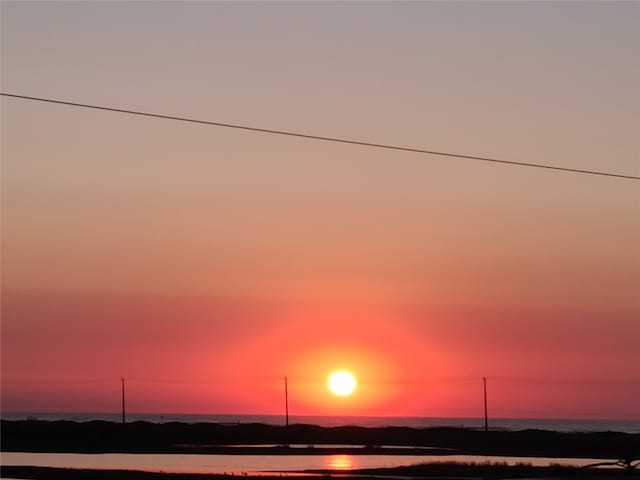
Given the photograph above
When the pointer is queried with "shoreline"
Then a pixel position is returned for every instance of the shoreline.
(571, 425)
(430, 471)
(254, 439)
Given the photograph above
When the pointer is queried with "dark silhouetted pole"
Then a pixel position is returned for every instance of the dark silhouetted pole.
(486, 417)
(122, 380)
(286, 401)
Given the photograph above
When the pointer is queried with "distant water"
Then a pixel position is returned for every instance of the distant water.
(559, 425)
(238, 464)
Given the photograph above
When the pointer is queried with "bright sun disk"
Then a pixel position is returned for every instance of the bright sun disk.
(342, 383)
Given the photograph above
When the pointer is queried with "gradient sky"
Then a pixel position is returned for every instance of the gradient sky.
(203, 264)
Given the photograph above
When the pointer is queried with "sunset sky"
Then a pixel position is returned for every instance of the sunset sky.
(203, 264)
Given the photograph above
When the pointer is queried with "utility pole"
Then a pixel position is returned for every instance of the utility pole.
(486, 417)
(286, 401)
(122, 380)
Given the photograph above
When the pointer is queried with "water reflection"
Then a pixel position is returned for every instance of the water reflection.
(192, 463)
(340, 462)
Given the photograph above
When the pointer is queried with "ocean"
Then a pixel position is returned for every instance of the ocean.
(513, 424)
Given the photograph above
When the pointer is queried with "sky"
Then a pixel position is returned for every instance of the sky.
(203, 264)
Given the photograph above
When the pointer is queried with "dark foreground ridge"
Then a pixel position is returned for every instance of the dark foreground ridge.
(208, 438)
(452, 471)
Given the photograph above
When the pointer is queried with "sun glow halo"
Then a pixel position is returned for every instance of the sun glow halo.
(342, 383)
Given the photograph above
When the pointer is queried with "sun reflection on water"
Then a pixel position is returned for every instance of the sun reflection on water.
(340, 462)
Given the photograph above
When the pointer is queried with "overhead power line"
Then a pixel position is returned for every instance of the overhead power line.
(272, 379)
(567, 381)
(323, 138)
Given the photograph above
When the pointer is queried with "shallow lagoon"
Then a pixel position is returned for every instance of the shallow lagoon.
(255, 463)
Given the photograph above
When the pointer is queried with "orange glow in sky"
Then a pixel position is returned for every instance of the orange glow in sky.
(205, 264)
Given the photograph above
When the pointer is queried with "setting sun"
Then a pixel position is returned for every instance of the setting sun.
(342, 383)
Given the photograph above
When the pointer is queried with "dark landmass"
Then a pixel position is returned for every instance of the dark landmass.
(210, 438)
(451, 471)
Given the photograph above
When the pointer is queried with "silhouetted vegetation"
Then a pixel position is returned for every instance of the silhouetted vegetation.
(629, 462)
(490, 470)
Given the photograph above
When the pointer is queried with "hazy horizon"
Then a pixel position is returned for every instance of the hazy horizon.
(493, 421)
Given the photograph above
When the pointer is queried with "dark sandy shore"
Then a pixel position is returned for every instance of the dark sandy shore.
(259, 439)
(207, 438)
(427, 471)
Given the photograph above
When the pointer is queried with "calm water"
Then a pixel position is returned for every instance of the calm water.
(253, 463)
(560, 425)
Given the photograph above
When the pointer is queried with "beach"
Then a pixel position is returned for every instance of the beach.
(442, 448)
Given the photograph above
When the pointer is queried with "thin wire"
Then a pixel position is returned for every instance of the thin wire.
(565, 382)
(253, 381)
(60, 382)
(196, 381)
(323, 138)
